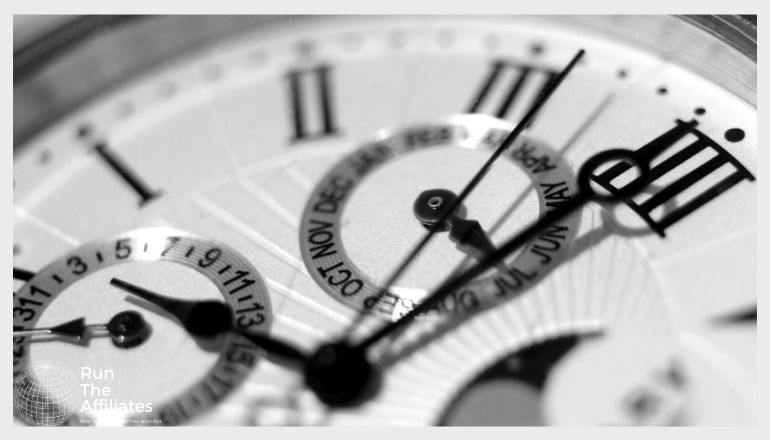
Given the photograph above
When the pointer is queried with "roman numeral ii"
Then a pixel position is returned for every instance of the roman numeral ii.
(310, 103)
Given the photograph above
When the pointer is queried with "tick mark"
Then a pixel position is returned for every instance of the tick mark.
(700, 111)
(662, 90)
(16, 249)
(57, 278)
(145, 248)
(744, 316)
(536, 49)
(735, 135)
(224, 269)
(622, 73)
(84, 131)
(45, 157)
(305, 48)
(99, 256)
(190, 251)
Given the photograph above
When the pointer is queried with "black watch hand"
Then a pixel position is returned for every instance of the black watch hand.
(127, 329)
(199, 318)
(211, 318)
(341, 374)
(585, 194)
(429, 208)
(525, 121)
(75, 329)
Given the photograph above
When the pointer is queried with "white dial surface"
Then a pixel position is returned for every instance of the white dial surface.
(231, 142)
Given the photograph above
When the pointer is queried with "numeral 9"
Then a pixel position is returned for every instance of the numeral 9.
(210, 257)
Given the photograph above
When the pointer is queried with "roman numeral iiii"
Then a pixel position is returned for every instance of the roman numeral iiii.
(684, 141)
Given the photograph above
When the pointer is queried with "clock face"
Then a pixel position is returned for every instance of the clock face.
(304, 146)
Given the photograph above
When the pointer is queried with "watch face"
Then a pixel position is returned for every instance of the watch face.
(280, 172)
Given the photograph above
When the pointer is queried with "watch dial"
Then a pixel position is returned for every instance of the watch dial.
(303, 148)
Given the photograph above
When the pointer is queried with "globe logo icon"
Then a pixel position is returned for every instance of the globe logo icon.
(44, 394)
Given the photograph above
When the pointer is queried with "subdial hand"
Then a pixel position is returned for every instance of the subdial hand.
(75, 329)
(199, 318)
(127, 329)
(211, 318)
(431, 206)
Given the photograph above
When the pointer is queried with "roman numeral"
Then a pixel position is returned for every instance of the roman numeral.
(682, 181)
(146, 194)
(310, 102)
(504, 86)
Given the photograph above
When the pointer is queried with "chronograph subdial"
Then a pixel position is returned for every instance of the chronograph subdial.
(167, 378)
(363, 215)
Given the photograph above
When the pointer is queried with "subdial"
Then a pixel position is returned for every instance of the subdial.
(510, 391)
(150, 370)
(369, 210)
(624, 378)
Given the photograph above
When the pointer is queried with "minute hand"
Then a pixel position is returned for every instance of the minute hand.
(584, 195)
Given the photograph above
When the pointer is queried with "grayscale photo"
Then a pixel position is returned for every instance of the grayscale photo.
(385, 220)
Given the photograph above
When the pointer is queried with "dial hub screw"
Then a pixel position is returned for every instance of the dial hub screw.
(341, 376)
(128, 329)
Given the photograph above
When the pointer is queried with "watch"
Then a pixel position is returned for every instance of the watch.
(285, 166)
